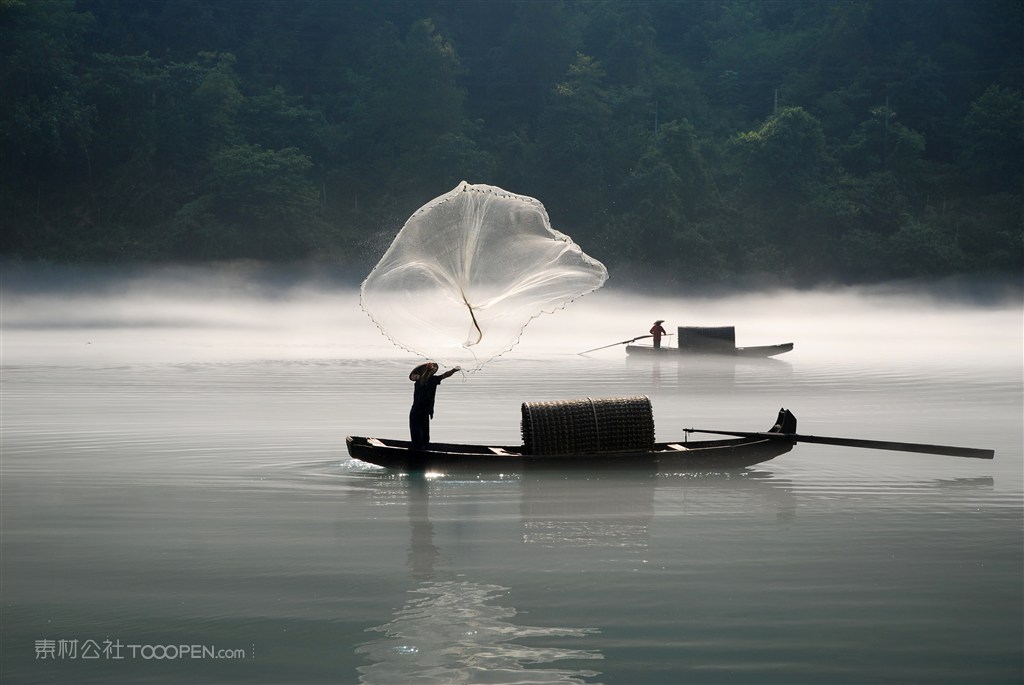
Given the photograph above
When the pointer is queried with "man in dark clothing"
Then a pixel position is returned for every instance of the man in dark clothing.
(657, 331)
(424, 391)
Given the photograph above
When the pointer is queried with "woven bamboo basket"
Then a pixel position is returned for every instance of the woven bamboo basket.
(588, 426)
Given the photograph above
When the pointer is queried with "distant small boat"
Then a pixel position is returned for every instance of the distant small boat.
(759, 352)
(702, 340)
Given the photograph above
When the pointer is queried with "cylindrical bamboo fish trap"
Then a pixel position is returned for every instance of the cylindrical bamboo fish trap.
(588, 426)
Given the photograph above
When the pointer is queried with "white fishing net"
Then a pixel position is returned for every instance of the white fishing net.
(469, 270)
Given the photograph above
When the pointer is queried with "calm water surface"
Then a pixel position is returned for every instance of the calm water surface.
(174, 484)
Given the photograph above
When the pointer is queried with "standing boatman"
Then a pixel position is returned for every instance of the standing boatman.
(423, 394)
(657, 331)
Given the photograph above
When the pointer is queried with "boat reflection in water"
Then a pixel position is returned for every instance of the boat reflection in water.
(617, 511)
(718, 372)
(453, 630)
(583, 511)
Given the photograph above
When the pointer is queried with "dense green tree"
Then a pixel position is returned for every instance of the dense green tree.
(257, 203)
(46, 125)
(570, 153)
(785, 156)
(217, 101)
(881, 143)
(533, 55)
(993, 140)
(623, 38)
(699, 143)
(407, 99)
(661, 225)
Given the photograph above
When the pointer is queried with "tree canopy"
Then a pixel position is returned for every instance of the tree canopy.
(792, 142)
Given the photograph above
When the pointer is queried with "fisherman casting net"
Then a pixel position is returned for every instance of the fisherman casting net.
(469, 270)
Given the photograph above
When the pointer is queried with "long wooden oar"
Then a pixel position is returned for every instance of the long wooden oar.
(624, 342)
(971, 452)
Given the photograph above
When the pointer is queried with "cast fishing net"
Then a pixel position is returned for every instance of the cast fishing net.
(470, 270)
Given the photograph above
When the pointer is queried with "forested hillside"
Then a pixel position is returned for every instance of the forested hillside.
(690, 143)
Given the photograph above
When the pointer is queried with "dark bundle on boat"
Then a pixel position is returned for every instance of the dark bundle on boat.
(707, 339)
(609, 424)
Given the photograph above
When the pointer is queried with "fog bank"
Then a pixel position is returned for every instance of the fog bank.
(244, 311)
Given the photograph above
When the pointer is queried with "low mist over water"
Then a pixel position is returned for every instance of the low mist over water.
(174, 473)
(240, 312)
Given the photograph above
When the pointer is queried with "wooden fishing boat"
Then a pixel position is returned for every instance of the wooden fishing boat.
(757, 352)
(617, 433)
(732, 453)
(571, 451)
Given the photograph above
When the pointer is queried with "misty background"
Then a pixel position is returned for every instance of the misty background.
(687, 145)
(110, 316)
